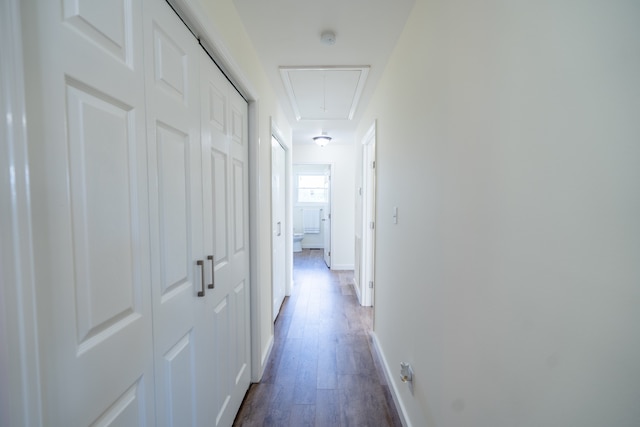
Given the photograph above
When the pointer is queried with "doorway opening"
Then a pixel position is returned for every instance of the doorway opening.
(312, 208)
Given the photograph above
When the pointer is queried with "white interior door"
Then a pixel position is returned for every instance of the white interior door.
(88, 176)
(278, 223)
(226, 242)
(175, 188)
(369, 218)
(326, 219)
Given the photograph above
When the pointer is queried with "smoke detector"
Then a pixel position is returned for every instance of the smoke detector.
(328, 38)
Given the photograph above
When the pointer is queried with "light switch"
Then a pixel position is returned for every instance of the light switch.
(406, 372)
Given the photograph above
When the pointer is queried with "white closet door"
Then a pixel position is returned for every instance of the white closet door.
(175, 204)
(278, 223)
(326, 219)
(88, 191)
(226, 239)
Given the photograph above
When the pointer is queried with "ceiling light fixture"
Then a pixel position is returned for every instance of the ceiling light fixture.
(328, 38)
(322, 140)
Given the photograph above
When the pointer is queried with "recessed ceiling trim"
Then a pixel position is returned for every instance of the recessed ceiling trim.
(344, 100)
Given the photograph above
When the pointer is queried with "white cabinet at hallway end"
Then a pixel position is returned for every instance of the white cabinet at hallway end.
(138, 167)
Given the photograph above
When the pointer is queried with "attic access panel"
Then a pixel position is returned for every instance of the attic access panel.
(324, 93)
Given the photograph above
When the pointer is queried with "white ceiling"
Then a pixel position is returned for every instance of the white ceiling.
(286, 35)
(324, 93)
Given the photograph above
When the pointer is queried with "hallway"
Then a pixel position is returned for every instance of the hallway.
(321, 371)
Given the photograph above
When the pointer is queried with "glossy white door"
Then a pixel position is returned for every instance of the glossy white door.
(88, 189)
(326, 219)
(175, 201)
(226, 242)
(278, 224)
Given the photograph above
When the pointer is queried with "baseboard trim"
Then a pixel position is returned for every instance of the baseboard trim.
(266, 353)
(402, 412)
(356, 286)
(263, 360)
(340, 267)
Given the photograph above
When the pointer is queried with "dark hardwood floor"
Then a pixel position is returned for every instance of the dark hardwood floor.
(322, 371)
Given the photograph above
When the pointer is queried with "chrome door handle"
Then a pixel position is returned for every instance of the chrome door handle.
(213, 277)
(279, 228)
(201, 264)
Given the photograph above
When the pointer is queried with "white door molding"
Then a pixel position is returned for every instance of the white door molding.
(20, 394)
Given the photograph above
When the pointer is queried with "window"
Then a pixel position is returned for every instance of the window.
(312, 189)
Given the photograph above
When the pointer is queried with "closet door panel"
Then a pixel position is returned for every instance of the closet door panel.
(85, 102)
(239, 273)
(102, 202)
(175, 188)
(226, 237)
(219, 195)
(239, 179)
(238, 207)
(108, 25)
(179, 369)
(221, 362)
(241, 327)
(127, 410)
(173, 209)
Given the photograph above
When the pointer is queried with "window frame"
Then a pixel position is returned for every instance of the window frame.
(324, 188)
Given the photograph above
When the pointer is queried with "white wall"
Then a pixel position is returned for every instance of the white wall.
(341, 157)
(509, 140)
(229, 30)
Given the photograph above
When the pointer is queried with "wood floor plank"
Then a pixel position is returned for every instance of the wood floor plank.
(328, 409)
(321, 371)
(307, 376)
(289, 363)
(255, 407)
(280, 406)
(303, 416)
(327, 365)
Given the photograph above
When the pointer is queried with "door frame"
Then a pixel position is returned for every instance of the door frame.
(368, 217)
(20, 389)
(276, 135)
(330, 167)
(288, 229)
(275, 311)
